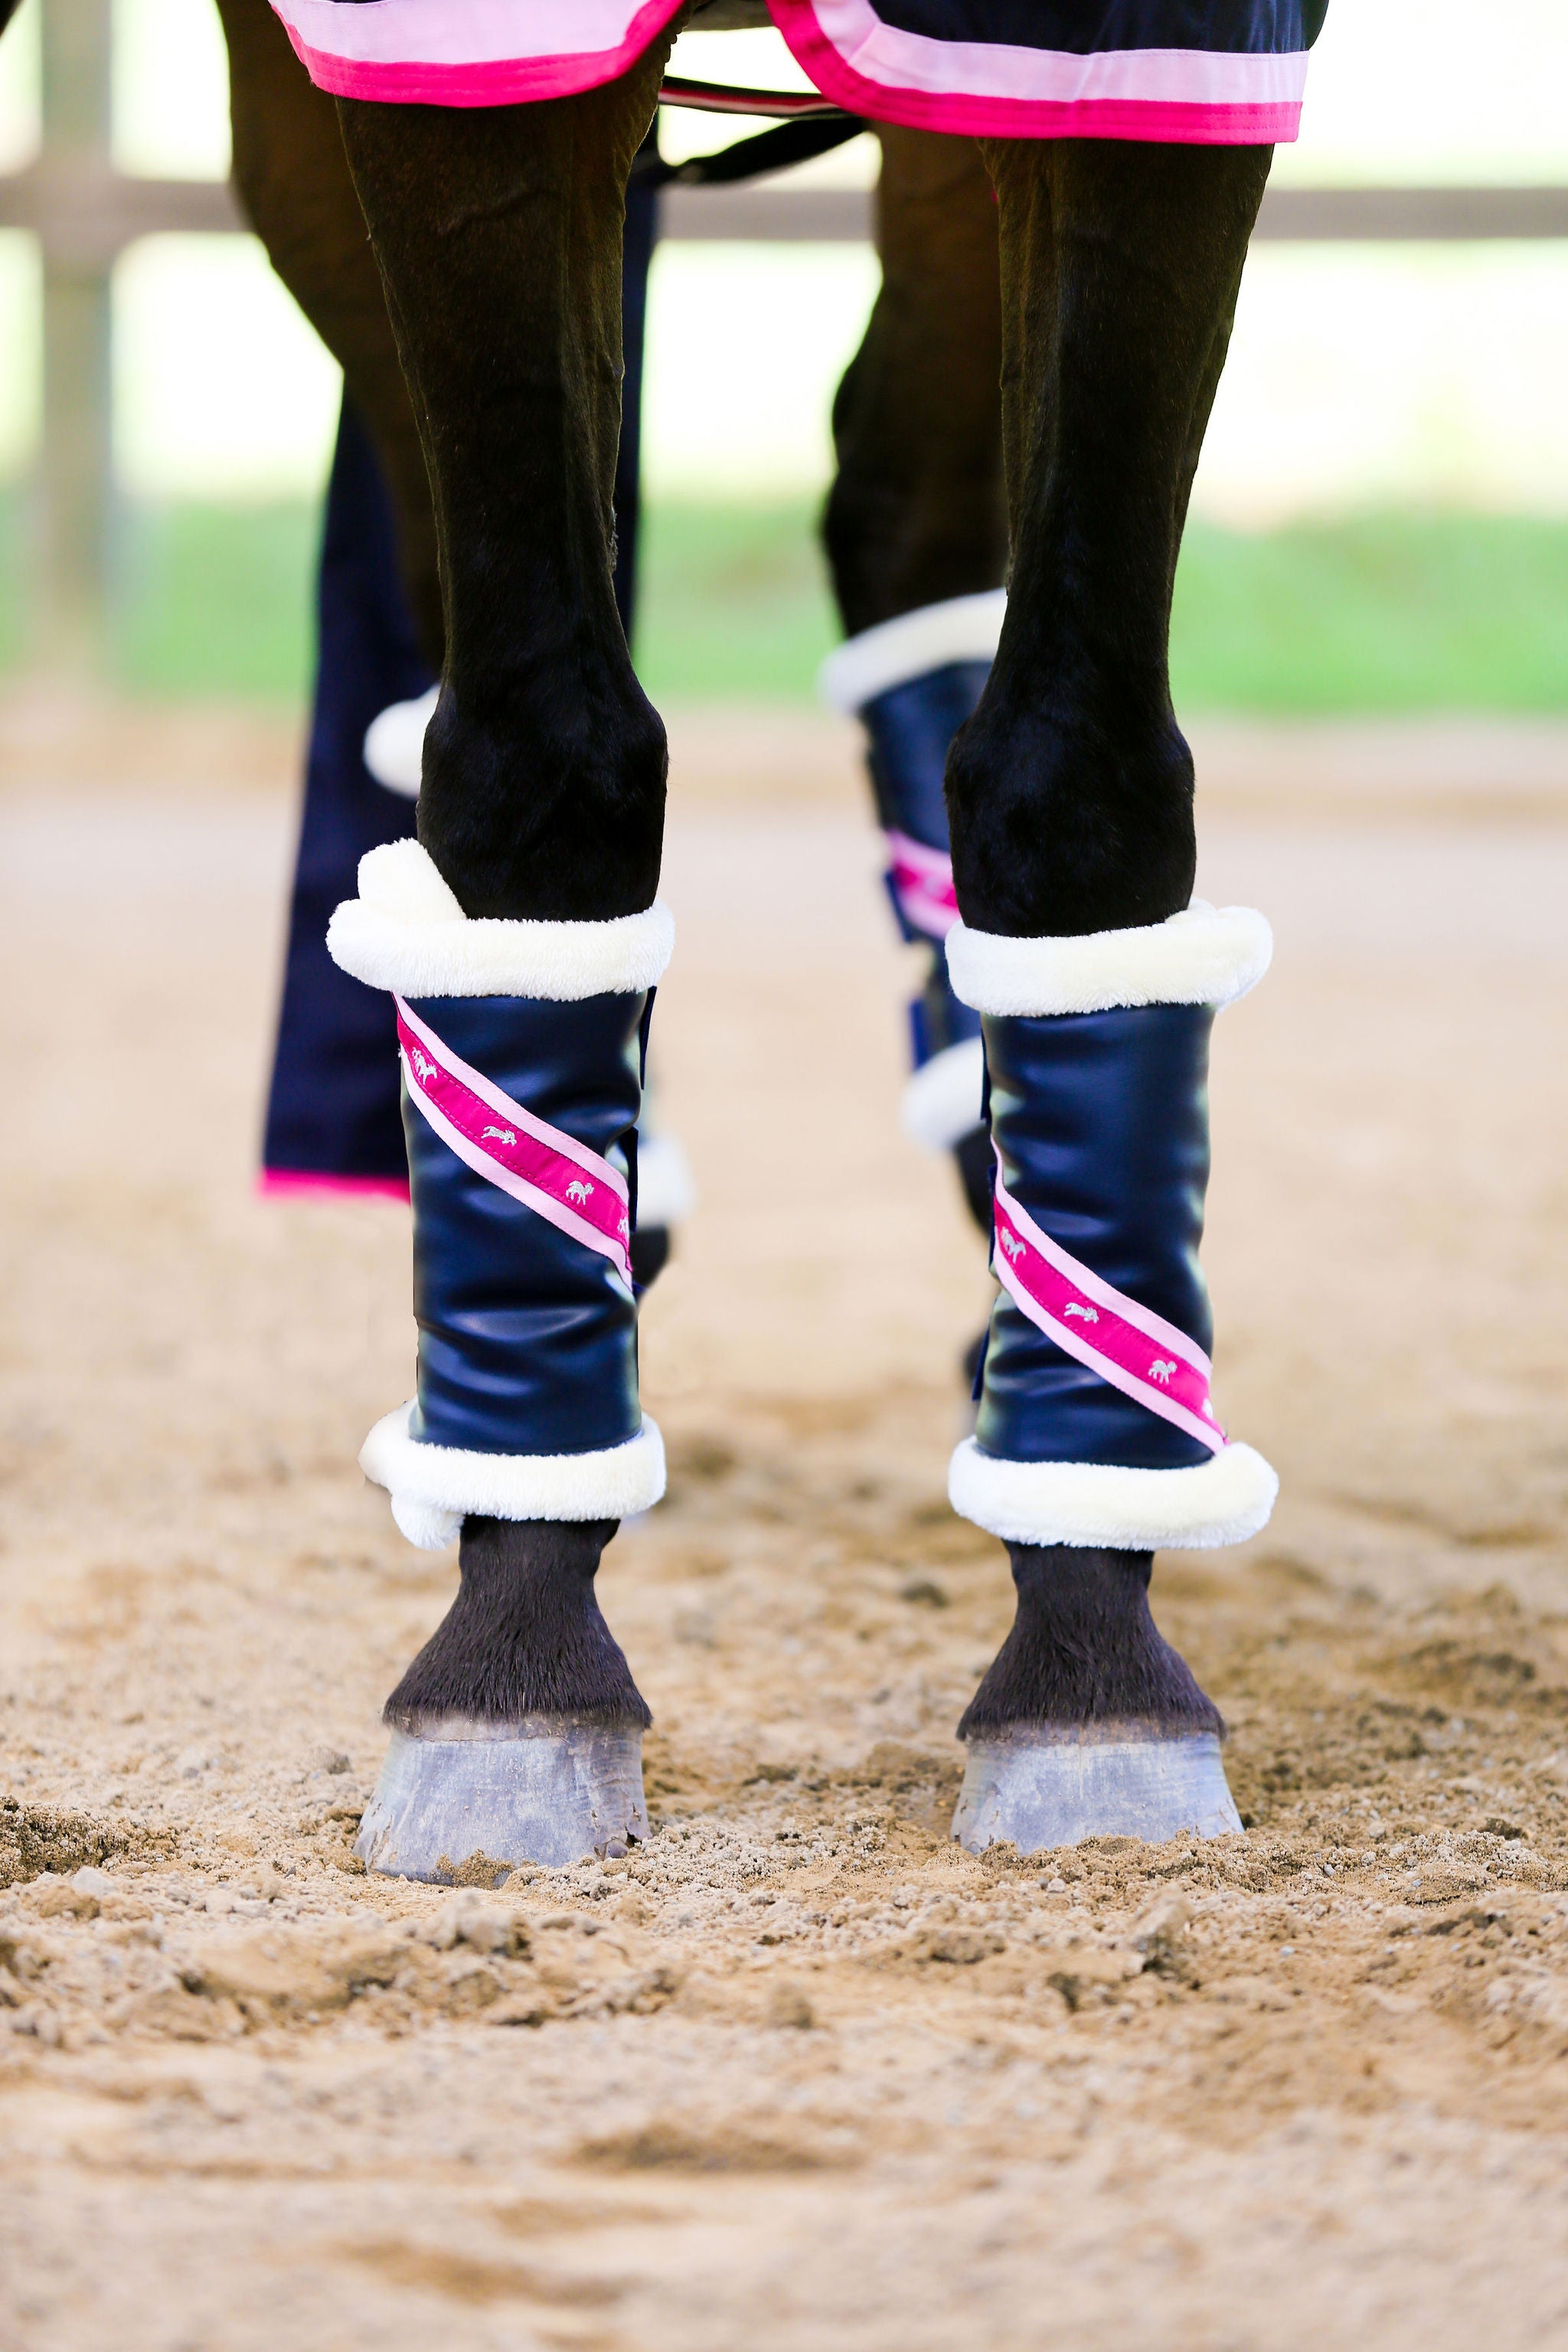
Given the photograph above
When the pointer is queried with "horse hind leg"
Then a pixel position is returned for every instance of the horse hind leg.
(916, 536)
(516, 1732)
(1069, 793)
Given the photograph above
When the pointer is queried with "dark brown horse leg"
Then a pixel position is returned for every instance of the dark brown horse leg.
(1070, 796)
(516, 1732)
(917, 514)
(498, 236)
(1071, 792)
(916, 535)
(292, 178)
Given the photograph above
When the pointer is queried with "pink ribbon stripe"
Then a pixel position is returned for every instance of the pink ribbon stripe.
(540, 1165)
(922, 884)
(1138, 1353)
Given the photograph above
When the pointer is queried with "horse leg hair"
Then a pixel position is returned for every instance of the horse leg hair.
(499, 234)
(1070, 791)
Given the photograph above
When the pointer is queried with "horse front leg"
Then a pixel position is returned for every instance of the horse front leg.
(520, 937)
(1070, 798)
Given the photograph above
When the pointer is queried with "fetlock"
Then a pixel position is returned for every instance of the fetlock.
(1084, 1650)
(524, 1641)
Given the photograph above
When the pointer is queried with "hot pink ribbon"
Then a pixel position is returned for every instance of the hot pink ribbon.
(545, 1169)
(1137, 1352)
(922, 885)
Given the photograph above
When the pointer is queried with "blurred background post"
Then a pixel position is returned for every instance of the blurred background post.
(77, 467)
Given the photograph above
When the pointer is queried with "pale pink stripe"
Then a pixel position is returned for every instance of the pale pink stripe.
(1152, 1326)
(543, 1204)
(469, 52)
(902, 60)
(496, 1098)
(1136, 1351)
(294, 1183)
(472, 32)
(923, 882)
(903, 78)
(539, 1165)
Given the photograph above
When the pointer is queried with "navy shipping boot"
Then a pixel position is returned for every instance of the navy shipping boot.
(521, 1049)
(913, 682)
(1096, 1427)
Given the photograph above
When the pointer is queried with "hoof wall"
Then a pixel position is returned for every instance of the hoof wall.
(467, 1811)
(1039, 1792)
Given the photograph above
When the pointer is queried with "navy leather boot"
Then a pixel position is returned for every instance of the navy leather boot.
(522, 1047)
(1096, 1427)
(913, 682)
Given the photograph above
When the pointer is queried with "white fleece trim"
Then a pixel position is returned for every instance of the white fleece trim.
(964, 628)
(941, 1102)
(395, 743)
(406, 932)
(434, 1487)
(1221, 1501)
(1206, 955)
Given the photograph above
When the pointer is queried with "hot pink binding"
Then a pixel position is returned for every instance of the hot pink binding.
(982, 90)
(469, 52)
(540, 1165)
(922, 884)
(1137, 1352)
(305, 1183)
(504, 52)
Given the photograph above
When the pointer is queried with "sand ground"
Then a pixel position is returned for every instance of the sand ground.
(799, 2073)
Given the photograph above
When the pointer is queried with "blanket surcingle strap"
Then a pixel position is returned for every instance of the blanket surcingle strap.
(1229, 73)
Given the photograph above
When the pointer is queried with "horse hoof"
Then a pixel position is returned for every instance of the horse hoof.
(468, 1810)
(1040, 1789)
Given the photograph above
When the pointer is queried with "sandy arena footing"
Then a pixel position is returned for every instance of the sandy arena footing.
(799, 2073)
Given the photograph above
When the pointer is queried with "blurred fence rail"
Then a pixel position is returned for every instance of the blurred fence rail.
(84, 214)
(1289, 216)
(84, 217)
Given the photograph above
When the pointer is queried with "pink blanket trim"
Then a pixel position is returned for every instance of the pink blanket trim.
(507, 52)
(310, 1184)
(984, 90)
(540, 1165)
(922, 884)
(465, 54)
(1137, 1352)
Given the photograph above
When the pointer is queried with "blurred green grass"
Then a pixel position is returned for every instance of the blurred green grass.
(1378, 614)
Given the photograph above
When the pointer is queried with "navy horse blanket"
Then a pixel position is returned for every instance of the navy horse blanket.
(1221, 72)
